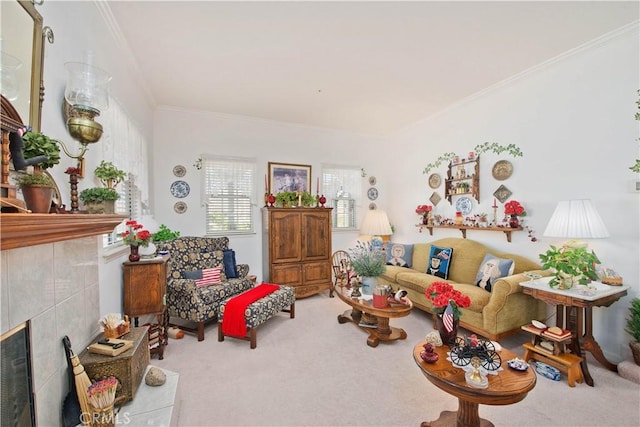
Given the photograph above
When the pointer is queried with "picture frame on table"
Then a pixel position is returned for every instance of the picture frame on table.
(289, 177)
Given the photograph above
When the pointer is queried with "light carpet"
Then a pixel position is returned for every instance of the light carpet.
(313, 371)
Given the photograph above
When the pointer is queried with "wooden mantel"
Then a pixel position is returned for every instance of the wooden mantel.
(19, 230)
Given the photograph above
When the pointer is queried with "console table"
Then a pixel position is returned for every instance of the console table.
(574, 312)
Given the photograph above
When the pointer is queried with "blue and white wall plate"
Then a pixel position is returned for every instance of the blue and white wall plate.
(464, 205)
(180, 189)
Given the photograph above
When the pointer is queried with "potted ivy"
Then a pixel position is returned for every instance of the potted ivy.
(285, 199)
(633, 328)
(37, 188)
(165, 233)
(109, 175)
(572, 265)
(99, 200)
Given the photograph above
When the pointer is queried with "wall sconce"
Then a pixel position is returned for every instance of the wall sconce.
(85, 96)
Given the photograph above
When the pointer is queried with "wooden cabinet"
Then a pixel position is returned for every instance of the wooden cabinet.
(463, 178)
(297, 248)
(145, 286)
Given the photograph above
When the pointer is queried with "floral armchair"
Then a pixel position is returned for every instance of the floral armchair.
(199, 304)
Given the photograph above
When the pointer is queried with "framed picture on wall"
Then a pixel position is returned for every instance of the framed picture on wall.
(289, 177)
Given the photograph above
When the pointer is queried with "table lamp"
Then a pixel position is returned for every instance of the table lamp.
(576, 219)
(376, 224)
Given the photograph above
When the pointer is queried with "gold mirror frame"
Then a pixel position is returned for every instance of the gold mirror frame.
(31, 114)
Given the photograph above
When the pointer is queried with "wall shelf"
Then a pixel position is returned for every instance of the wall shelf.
(463, 229)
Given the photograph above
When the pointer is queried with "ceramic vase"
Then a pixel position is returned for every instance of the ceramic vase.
(425, 219)
(514, 222)
(448, 337)
(134, 255)
(368, 285)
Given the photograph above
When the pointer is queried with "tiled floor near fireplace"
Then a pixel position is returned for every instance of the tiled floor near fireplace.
(151, 405)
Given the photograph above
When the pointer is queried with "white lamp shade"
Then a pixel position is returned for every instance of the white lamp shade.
(576, 219)
(376, 223)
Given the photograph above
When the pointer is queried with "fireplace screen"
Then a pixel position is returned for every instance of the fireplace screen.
(17, 394)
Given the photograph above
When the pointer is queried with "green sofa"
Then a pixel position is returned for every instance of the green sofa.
(494, 314)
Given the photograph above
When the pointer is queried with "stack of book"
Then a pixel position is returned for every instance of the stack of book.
(556, 333)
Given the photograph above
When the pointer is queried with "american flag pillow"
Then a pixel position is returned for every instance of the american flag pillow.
(210, 276)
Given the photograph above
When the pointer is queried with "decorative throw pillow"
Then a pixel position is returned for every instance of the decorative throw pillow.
(491, 269)
(439, 261)
(230, 267)
(399, 254)
(205, 277)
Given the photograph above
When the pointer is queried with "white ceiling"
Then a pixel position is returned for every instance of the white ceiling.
(370, 67)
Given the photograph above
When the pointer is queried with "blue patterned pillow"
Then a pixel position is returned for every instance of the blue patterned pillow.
(230, 267)
(491, 269)
(399, 254)
(439, 261)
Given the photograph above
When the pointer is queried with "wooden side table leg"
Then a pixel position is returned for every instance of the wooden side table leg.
(590, 344)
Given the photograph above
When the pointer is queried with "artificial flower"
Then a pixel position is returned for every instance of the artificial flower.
(423, 209)
(135, 236)
(441, 293)
(71, 170)
(513, 207)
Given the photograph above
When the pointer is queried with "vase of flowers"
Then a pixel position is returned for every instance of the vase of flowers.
(447, 302)
(368, 261)
(135, 236)
(514, 209)
(424, 212)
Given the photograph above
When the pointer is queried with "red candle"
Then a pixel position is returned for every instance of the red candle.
(266, 186)
(317, 185)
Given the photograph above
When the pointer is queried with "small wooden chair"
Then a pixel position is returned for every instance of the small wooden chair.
(342, 271)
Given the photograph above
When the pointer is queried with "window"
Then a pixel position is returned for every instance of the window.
(125, 146)
(341, 186)
(228, 193)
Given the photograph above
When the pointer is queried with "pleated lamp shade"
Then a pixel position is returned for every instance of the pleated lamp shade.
(376, 223)
(576, 219)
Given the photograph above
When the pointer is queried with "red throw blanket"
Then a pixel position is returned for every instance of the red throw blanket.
(233, 322)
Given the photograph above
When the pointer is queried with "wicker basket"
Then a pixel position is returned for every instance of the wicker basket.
(613, 281)
(119, 331)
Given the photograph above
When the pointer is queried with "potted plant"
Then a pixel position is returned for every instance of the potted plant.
(109, 175)
(633, 328)
(164, 233)
(308, 199)
(286, 199)
(37, 188)
(99, 200)
(369, 262)
(571, 264)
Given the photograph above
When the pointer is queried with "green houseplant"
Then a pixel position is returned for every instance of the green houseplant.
(369, 262)
(286, 198)
(109, 175)
(571, 265)
(37, 189)
(164, 233)
(633, 328)
(99, 199)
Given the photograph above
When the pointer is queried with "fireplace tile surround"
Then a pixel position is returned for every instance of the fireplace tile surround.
(55, 286)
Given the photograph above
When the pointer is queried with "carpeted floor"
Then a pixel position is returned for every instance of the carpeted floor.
(313, 371)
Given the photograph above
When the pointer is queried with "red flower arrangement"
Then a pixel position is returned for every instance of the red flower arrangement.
(423, 209)
(514, 207)
(133, 237)
(441, 293)
(71, 170)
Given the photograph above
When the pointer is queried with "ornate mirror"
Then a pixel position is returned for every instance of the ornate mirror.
(21, 64)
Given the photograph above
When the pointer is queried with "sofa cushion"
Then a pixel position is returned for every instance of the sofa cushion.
(210, 276)
(439, 261)
(194, 261)
(229, 260)
(399, 254)
(491, 269)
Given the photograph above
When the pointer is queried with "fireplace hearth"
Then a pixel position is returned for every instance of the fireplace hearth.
(17, 401)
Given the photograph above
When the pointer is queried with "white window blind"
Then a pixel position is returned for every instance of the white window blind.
(341, 185)
(228, 193)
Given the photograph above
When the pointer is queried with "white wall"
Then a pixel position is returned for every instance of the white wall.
(265, 141)
(80, 27)
(574, 121)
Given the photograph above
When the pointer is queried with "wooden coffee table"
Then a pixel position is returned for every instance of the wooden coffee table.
(363, 311)
(508, 387)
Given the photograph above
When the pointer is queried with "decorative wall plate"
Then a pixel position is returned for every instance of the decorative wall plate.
(464, 205)
(180, 207)
(435, 198)
(180, 189)
(502, 170)
(435, 180)
(502, 193)
(372, 194)
(179, 171)
(372, 180)
(372, 206)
